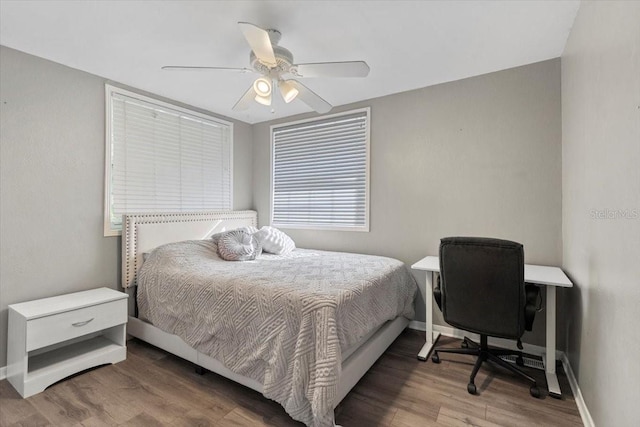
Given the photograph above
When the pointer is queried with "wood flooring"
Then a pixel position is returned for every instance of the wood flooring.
(154, 388)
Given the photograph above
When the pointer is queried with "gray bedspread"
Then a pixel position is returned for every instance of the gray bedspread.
(280, 320)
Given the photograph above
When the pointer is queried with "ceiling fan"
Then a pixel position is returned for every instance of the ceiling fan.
(275, 64)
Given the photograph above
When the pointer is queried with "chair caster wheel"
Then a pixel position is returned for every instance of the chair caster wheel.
(464, 344)
(471, 388)
(435, 358)
(519, 361)
(535, 391)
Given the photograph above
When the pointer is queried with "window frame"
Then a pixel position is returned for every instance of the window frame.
(110, 89)
(364, 228)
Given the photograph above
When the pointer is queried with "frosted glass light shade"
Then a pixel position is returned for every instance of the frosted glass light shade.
(288, 91)
(264, 100)
(262, 86)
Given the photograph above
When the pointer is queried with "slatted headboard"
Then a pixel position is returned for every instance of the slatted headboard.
(143, 232)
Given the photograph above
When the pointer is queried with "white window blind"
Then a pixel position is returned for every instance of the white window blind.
(321, 173)
(163, 158)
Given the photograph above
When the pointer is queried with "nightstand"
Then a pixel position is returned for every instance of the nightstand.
(52, 338)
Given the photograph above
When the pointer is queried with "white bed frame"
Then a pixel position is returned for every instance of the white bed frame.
(142, 233)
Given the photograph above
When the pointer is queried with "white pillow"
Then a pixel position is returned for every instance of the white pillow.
(238, 245)
(274, 241)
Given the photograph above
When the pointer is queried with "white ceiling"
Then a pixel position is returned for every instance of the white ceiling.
(407, 44)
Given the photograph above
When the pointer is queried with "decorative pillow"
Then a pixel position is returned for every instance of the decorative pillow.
(275, 241)
(238, 245)
(215, 237)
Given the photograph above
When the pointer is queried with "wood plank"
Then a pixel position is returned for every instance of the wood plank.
(13, 408)
(525, 416)
(59, 405)
(243, 417)
(101, 420)
(143, 420)
(224, 390)
(453, 418)
(34, 420)
(360, 410)
(131, 397)
(410, 419)
(193, 419)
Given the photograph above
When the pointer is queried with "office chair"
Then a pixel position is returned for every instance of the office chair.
(481, 289)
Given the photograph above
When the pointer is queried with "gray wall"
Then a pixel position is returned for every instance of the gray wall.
(52, 182)
(601, 171)
(480, 156)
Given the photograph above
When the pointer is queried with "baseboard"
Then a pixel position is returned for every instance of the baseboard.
(418, 326)
(577, 394)
(528, 348)
(448, 331)
(3, 372)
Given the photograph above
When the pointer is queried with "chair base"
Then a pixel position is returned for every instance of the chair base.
(484, 353)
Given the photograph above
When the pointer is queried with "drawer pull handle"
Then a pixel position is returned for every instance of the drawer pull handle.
(78, 324)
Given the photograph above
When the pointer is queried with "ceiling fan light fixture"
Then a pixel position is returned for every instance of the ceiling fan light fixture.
(271, 61)
(262, 86)
(288, 91)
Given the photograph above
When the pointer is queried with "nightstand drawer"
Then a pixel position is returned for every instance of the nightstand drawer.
(56, 328)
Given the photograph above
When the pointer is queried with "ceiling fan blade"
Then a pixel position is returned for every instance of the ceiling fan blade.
(310, 98)
(195, 68)
(246, 100)
(260, 43)
(333, 69)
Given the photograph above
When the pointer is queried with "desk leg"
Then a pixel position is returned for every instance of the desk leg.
(550, 358)
(430, 337)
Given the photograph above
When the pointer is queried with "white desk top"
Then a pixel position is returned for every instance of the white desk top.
(539, 274)
(428, 263)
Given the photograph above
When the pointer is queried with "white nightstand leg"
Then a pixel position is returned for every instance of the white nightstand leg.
(550, 357)
(430, 337)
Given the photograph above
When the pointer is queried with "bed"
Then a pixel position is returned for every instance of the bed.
(301, 329)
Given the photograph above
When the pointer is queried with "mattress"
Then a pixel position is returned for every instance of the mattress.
(284, 321)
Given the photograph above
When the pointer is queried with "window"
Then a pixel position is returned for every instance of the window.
(163, 158)
(320, 173)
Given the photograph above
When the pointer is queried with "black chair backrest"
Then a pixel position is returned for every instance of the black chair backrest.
(482, 285)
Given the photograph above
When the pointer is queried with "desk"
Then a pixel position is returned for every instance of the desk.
(551, 277)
